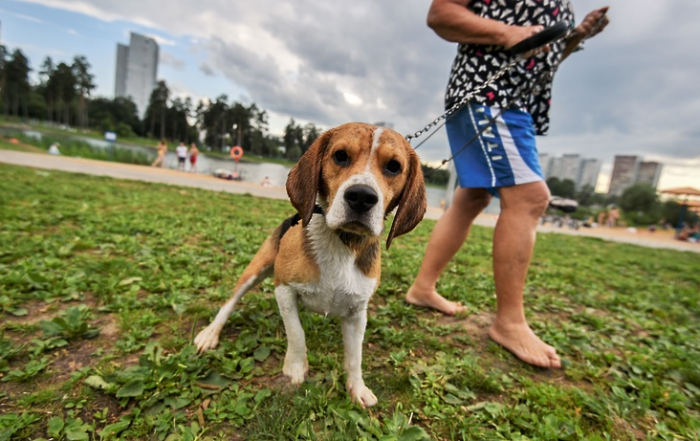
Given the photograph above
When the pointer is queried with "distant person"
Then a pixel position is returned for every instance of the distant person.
(162, 150)
(613, 217)
(194, 152)
(601, 218)
(181, 151)
(266, 182)
(665, 225)
(53, 149)
(690, 233)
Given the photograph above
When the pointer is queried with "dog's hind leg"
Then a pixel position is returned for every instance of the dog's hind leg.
(261, 267)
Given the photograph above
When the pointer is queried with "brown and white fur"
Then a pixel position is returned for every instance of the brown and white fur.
(357, 174)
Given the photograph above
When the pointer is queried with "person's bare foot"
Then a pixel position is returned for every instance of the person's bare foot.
(432, 299)
(524, 344)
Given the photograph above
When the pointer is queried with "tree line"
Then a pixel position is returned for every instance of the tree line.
(64, 96)
(640, 204)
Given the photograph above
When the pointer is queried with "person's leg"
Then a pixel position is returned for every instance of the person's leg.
(513, 244)
(447, 237)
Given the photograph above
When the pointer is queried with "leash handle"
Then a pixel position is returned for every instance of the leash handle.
(542, 38)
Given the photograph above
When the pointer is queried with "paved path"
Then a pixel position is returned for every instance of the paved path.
(173, 177)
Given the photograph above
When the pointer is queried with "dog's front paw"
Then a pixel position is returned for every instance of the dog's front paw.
(208, 338)
(296, 369)
(361, 394)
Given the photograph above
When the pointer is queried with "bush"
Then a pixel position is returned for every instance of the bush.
(125, 131)
(640, 205)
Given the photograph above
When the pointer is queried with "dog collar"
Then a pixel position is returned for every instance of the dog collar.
(317, 209)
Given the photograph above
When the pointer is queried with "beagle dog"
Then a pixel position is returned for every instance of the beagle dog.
(327, 257)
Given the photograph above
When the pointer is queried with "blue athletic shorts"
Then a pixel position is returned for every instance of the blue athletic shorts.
(503, 156)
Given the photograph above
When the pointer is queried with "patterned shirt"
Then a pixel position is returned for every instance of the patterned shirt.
(475, 63)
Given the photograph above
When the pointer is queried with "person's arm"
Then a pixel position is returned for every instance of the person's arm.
(452, 21)
(588, 28)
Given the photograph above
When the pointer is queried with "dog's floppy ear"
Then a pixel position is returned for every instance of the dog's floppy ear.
(303, 179)
(412, 201)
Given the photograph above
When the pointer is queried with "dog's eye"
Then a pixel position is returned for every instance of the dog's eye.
(341, 158)
(392, 167)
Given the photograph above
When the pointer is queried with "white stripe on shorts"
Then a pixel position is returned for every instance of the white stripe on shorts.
(522, 174)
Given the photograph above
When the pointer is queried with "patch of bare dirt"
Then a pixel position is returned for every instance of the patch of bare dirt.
(79, 354)
(108, 327)
(72, 358)
(38, 311)
(474, 326)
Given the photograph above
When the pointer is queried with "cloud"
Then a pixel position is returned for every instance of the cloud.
(23, 17)
(632, 91)
(103, 10)
(168, 59)
(206, 70)
(161, 40)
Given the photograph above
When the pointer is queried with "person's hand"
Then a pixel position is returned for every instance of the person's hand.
(593, 23)
(516, 34)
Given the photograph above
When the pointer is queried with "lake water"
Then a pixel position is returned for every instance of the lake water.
(255, 172)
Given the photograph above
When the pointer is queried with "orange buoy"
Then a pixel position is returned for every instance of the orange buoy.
(236, 153)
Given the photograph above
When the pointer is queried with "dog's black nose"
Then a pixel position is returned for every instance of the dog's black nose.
(360, 198)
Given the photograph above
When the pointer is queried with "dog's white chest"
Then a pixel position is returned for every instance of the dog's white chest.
(342, 289)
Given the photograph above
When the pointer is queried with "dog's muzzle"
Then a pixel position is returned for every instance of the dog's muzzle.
(360, 198)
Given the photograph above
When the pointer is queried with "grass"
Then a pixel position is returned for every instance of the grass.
(60, 130)
(74, 148)
(5, 144)
(104, 283)
(68, 138)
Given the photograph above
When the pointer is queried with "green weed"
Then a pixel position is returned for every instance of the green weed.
(104, 283)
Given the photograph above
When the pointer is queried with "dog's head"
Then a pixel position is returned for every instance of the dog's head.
(359, 174)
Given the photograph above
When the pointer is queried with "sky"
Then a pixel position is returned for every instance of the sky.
(632, 91)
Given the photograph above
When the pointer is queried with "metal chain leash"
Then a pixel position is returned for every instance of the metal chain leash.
(505, 68)
(521, 91)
